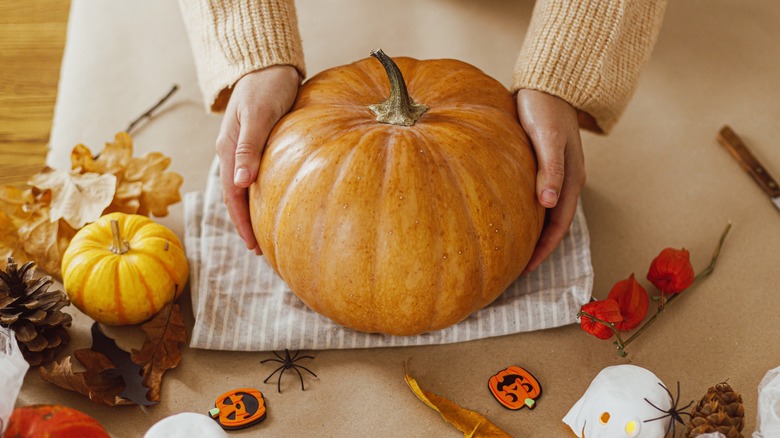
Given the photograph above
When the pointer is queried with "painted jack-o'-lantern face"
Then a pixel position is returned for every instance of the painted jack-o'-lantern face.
(239, 408)
(514, 388)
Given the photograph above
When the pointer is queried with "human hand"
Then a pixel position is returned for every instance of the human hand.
(551, 124)
(258, 101)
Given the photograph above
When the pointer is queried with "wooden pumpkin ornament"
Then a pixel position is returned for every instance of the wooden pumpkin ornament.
(122, 269)
(515, 388)
(52, 421)
(400, 215)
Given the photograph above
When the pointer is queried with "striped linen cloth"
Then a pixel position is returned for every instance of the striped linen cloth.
(240, 303)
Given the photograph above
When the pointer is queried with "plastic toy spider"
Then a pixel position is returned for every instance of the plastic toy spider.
(287, 364)
(673, 412)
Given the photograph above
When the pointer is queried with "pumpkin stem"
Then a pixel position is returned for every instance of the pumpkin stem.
(399, 108)
(119, 245)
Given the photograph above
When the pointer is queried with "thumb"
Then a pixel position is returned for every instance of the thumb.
(253, 132)
(549, 179)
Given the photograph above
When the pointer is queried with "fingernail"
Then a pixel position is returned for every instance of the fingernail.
(550, 196)
(241, 176)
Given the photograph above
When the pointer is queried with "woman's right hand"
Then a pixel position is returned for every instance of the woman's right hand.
(258, 101)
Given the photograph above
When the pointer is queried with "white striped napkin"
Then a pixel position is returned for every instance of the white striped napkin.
(240, 303)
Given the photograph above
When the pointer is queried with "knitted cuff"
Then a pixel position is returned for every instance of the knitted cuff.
(231, 38)
(589, 53)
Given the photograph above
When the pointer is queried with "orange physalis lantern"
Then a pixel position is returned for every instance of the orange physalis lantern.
(514, 388)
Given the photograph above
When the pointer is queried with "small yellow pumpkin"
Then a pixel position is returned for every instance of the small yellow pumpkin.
(123, 269)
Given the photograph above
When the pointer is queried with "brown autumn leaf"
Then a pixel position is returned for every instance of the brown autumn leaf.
(38, 236)
(127, 197)
(97, 383)
(113, 159)
(77, 198)
(14, 201)
(142, 186)
(10, 246)
(15, 209)
(160, 188)
(102, 381)
(161, 351)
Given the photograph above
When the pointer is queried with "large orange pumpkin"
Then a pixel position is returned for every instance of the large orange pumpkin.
(398, 215)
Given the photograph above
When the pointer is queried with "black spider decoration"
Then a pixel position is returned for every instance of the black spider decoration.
(673, 412)
(287, 364)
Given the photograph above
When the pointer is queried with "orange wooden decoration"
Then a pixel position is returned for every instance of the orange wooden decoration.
(240, 408)
(406, 225)
(515, 388)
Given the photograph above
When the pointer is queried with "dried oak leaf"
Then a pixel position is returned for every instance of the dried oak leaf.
(161, 351)
(113, 159)
(77, 198)
(126, 199)
(14, 202)
(142, 186)
(38, 236)
(16, 207)
(97, 383)
(10, 246)
(160, 188)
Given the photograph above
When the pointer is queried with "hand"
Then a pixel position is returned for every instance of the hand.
(258, 101)
(551, 124)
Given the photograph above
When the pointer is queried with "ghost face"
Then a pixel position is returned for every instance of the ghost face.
(614, 405)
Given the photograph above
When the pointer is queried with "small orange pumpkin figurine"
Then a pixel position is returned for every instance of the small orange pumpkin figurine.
(52, 421)
(514, 388)
(239, 408)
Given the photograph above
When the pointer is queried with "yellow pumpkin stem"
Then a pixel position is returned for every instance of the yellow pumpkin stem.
(119, 245)
(399, 108)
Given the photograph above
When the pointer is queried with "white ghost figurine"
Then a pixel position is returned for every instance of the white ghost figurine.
(618, 404)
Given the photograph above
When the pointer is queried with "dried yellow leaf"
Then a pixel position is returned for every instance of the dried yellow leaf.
(77, 198)
(113, 159)
(160, 188)
(126, 199)
(14, 200)
(39, 239)
(471, 423)
(10, 246)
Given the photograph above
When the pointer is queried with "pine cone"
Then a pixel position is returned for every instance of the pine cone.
(720, 410)
(33, 312)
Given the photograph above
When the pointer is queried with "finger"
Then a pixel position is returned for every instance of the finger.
(253, 132)
(549, 149)
(237, 204)
(558, 222)
(559, 219)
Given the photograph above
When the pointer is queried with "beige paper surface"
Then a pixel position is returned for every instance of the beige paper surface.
(660, 179)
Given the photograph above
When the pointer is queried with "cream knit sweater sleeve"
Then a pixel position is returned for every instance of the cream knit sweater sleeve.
(590, 53)
(231, 38)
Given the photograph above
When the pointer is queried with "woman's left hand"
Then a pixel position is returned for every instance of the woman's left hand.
(551, 124)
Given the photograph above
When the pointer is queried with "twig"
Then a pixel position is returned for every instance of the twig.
(707, 271)
(620, 343)
(149, 112)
